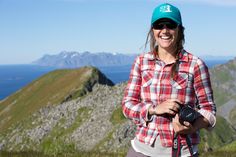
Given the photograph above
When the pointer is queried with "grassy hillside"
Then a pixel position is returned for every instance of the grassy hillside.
(222, 134)
(232, 116)
(221, 139)
(226, 151)
(223, 79)
(53, 88)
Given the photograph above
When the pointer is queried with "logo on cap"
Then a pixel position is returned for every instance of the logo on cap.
(165, 8)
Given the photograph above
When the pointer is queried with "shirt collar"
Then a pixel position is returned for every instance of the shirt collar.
(150, 56)
(183, 56)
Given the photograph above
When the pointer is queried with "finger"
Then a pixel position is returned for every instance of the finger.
(187, 124)
(177, 116)
(176, 101)
(176, 108)
(175, 119)
(171, 112)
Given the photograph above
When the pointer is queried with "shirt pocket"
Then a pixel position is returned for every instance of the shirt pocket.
(180, 81)
(147, 77)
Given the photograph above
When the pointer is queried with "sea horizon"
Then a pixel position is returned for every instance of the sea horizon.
(13, 77)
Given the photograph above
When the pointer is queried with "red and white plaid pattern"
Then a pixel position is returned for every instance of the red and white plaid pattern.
(150, 84)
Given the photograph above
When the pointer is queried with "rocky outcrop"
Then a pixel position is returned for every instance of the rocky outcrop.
(225, 109)
(84, 123)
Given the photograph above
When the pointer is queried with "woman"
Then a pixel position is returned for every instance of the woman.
(162, 82)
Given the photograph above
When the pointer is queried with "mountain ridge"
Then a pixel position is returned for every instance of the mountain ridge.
(53, 88)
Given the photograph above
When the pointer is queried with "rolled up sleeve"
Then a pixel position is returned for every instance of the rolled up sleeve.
(204, 93)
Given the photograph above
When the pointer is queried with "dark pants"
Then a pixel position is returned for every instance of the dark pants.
(133, 153)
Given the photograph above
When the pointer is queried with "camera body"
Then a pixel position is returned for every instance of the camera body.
(187, 113)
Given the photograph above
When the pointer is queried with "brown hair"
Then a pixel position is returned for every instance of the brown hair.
(179, 46)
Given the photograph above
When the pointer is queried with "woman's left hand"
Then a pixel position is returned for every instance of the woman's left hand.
(185, 128)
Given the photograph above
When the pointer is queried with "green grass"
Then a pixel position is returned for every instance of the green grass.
(229, 147)
(222, 75)
(117, 116)
(228, 150)
(232, 116)
(220, 98)
(222, 134)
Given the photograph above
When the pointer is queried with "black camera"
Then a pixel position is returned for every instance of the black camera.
(187, 113)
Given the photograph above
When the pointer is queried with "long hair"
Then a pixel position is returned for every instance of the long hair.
(179, 46)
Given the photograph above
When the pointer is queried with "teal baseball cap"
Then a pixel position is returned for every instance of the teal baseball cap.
(168, 11)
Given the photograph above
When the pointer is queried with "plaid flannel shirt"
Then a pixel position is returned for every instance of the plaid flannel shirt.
(150, 84)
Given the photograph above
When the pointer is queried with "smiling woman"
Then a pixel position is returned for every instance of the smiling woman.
(162, 82)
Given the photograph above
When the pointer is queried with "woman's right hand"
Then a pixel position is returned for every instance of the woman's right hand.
(170, 107)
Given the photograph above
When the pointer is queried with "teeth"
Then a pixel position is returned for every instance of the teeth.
(165, 37)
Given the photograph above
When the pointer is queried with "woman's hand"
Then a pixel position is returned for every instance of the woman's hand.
(185, 128)
(170, 107)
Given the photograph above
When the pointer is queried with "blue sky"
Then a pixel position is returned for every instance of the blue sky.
(32, 28)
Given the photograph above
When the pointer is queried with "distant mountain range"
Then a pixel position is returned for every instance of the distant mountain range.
(76, 59)
(66, 59)
(212, 57)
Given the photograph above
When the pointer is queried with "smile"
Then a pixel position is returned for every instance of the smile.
(165, 37)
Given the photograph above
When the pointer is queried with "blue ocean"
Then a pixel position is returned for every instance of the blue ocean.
(14, 77)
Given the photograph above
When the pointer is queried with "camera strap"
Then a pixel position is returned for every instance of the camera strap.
(189, 145)
(176, 147)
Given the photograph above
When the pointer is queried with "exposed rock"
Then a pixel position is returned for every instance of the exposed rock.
(85, 122)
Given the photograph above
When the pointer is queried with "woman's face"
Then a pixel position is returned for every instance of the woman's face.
(165, 34)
